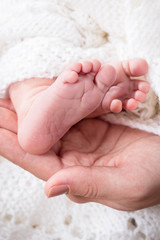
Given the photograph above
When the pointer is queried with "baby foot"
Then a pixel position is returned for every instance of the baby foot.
(76, 93)
(126, 91)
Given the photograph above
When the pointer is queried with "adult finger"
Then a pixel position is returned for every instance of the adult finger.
(107, 185)
(42, 166)
(8, 119)
(6, 103)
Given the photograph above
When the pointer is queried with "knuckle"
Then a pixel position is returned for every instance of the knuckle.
(91, 187)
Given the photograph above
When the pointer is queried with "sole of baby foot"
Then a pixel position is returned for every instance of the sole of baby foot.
(77, 92)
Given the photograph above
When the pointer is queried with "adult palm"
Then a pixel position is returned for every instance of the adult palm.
(109, 164)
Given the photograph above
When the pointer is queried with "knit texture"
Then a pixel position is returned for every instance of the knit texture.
(39, 38)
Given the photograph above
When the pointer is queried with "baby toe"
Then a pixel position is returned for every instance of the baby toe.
(139, 96)
(77, 67)
(135, 67)
(69, 76)
(116, 106)
(130, 104)
(87, 66)
(96, 66)
(105, 77)
(138, 67)
(143, 86)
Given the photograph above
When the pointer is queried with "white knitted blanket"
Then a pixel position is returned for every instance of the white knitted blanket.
(38, 38)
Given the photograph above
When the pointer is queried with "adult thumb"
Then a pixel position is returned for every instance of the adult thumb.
(92, 183)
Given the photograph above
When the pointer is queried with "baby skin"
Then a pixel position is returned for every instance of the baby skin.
(48, 108)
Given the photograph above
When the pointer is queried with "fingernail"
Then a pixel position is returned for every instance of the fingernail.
(57, 190)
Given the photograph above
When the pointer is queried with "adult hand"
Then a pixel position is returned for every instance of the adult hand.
(110, 164)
